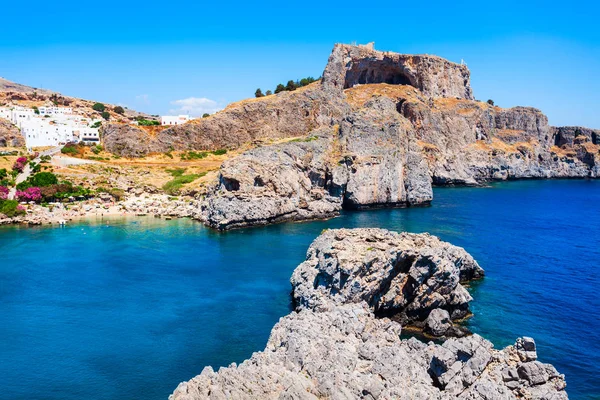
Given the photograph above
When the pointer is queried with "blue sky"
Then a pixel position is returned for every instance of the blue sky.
(160, 57)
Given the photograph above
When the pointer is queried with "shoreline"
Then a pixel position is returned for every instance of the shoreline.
(135, 206)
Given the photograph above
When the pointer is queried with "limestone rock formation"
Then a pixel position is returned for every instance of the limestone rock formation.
(434, 76)
(390, 142)
(338, 348)
(405, 275)
(369, 160)
(10, 135)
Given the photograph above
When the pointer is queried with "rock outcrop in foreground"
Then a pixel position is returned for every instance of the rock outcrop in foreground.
(404, 276)
(337, 345)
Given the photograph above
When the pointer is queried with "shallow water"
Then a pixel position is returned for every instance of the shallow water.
(128, 308)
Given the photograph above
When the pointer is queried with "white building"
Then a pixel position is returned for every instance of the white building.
(174, 119)
(53, 126)
(55, 110)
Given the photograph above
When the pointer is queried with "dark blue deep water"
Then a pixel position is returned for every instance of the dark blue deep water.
(132, 307)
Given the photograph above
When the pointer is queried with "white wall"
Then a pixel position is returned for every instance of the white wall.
(174, 119)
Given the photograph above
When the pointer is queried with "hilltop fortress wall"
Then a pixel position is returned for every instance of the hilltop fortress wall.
(349, 66)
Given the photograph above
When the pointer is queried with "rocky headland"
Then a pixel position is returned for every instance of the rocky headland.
(343, 342)
(379, 129)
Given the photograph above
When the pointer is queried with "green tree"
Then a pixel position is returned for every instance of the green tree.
(119, 110)
(290, 86)
(258, 93)
(307, 81)
(43, 179)
(99, 107)
(490, 102)
(36, 110)
(268, 93)
(105, 115)
(279, 88)
(205, 115)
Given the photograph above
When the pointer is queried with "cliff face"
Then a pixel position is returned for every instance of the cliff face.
(349, 66)
(335, 346)
(10, 135)
(388, 150)
(369, 160)
(287, 114)
(377, 131)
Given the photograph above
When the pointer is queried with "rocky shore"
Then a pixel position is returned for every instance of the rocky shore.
(143, 204)
(340, 343)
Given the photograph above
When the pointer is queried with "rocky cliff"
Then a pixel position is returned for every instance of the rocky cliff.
(379, 130)
(338, 345)
(287, 114)
(390, 140)
(435, 77)
(10, 135)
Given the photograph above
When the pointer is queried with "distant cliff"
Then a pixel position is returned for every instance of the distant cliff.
(378, 130)
(406, 123)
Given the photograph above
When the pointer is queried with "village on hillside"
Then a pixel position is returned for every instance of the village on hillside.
(53, 126)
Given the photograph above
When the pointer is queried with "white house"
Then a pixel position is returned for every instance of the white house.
(52, 126)
(55, 110)
(174, 119)
(6, 113)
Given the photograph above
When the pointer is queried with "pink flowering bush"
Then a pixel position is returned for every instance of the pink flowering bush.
(3, 192)
(19, 165)
(29, 194)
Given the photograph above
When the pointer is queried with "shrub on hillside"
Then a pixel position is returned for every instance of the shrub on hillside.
(279, 88)
(97, 124)
(70, 149)
(173, 187)
(96, 149)
(258, 93)
(19, 165)
(105, 115)
(43, 179)
(99, 107)
(490, 102)
(11, 208)
(119, 110)
(29, 194)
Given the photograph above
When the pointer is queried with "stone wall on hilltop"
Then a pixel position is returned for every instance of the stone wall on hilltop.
(433, 76)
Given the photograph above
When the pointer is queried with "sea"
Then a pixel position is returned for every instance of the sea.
(130, 307)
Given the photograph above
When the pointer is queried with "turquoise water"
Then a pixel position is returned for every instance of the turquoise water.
(129, 308)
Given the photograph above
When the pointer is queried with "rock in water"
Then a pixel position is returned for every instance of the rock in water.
(335, 346)
(403, 275)
(438, 322)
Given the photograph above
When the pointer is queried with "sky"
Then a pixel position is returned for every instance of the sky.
(195, 57)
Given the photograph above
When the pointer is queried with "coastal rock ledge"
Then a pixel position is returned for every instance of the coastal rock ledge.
(339, 343)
